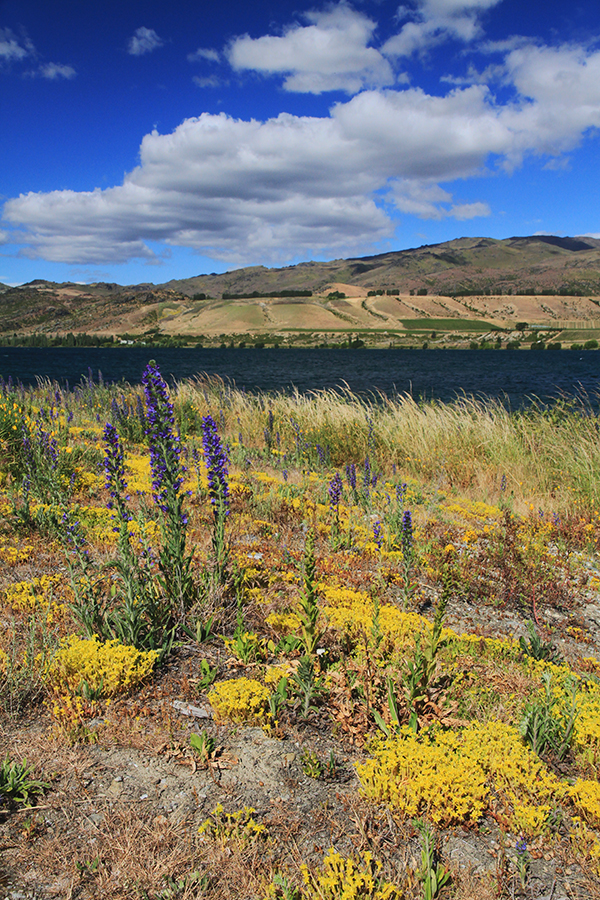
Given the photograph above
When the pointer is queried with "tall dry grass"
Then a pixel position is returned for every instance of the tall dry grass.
(544, 454)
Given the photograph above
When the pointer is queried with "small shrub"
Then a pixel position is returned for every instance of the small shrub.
(16, 785)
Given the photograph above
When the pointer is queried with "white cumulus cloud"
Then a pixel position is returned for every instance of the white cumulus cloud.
(433, 21)
(331, 53)
(144, 40)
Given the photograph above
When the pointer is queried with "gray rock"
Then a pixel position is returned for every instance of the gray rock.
(186, 709)
(467, 854)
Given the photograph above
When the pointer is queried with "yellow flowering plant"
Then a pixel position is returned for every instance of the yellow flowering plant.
(454, 777)
(239, 827)
(98, 668)
(240, 700)
(344, 878)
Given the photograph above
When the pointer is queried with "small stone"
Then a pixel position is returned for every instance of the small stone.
(186, 709)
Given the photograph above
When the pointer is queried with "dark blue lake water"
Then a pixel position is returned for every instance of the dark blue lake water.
(428, 374)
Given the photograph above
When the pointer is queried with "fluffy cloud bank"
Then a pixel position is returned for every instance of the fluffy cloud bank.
(249, 191)
(332, 53)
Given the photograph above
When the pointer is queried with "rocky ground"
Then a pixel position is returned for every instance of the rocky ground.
(124, 810)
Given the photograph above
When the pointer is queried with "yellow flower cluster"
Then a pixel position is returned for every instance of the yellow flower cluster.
(102, 525)
(587, 726)
(240, 700)
(283, 623)
(352, 612)
(239, 827)
(475, 645)
(35, 595)
(26, 596)
(139, 477)
(106, 668)
(452, 777)
(586, 798)
(274, 674)
(345, 879)
(525, 790)
(99, 524)
(70, 714)
(471, 510)
(419, 775)
(89, 482)
(12, 555)
(266, 479)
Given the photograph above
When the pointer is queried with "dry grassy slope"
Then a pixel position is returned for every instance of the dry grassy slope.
(483, 264)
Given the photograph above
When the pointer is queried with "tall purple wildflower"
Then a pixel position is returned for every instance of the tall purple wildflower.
(48, 446)
(401, 493)
(114, 464)
(215, 458)
(114, 471)
(377, 534)
(351, 475)
(335, 492)
(167, 477)
(406, 535)
(165, 447)
(367, 476)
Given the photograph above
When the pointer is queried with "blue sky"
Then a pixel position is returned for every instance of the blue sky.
(144, 141)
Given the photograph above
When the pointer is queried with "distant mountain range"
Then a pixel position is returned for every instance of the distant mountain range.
(536, 263)
(540, 279)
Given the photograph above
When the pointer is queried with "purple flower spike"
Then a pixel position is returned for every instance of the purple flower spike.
(407, 533)
(114, 465)
(378, 534)
(165, 448)
(215, 458)
(351, 475)
(335, 492)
